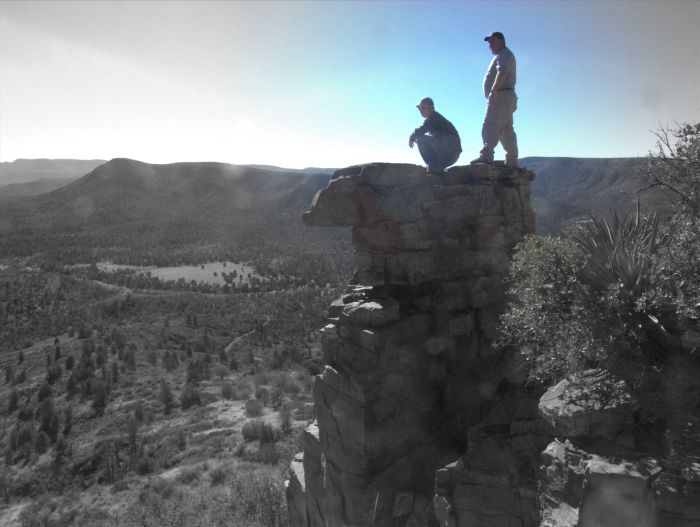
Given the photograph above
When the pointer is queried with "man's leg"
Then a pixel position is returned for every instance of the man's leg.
(508, 138)
(428, 148)
(491, 129)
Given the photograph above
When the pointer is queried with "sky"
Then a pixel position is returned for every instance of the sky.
(335, 83)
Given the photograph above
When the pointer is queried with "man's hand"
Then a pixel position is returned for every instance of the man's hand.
(411, 140)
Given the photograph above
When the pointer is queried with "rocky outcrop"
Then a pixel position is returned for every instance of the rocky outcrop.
(598, 474)
(422, 421)
(411, 367)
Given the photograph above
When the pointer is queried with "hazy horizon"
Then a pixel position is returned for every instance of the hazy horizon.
(332, 84)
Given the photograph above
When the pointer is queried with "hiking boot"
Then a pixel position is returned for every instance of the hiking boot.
(481, 160)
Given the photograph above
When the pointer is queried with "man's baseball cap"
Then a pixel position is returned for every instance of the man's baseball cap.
(425, 101)
(495, 34)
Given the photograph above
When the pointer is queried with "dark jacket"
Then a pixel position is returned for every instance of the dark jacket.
(437, 126)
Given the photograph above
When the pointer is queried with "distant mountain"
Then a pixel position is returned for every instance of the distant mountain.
(125, 190)
(32, 188)
(568, 189)
(27, 170)
(308, 170)
(134, 212)
(129, 209)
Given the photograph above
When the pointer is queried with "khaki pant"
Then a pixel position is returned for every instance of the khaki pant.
(498, 126)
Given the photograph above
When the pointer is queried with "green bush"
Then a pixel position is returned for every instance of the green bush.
(145, 465)
(189, 397)
(218, 475)
(189, 474)
(227, 391)
(593, 298)
(262, 394)
(285, 419)
(267, 453)
(260, 431)
(619, 294)
(253, 408)
(253, 499)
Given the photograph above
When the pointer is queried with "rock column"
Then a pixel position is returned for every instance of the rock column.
(410, 361)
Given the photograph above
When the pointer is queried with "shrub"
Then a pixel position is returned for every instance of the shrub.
(262, 394)
(100, 394)
(189, 397)
(138, 410)
(243, 390)
(166, 396)
(250, 430)
(286, 419)
(267, 453)
(595, 298)
(218, 475)
(68, 418)
(260, 430)
(189, 474)
(304, 412)
(41, 443)
(44, 391)
(253, 408)
(259, 379)
(181, 439)
(262, 497)
(13, 403)
(288, 384)
(144, 465)
(675, 166)
(227, 391)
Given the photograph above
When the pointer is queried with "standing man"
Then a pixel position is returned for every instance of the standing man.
(499, 89)
(437, 139)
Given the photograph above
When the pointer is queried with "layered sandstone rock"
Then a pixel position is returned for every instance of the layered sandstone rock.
(410, 361)
(597, 473)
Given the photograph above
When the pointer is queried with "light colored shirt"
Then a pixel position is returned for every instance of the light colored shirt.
(504, 62)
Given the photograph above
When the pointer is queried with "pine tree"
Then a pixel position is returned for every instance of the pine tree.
(44, 391)
(68, 418)
(99, 391)
(13, 403)
(166, 397)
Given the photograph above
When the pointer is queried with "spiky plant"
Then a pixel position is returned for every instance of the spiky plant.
(621, 281)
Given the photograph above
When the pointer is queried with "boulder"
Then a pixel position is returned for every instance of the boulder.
(593, 404)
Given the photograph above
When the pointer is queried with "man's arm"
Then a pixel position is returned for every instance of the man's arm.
(497, 82)
(424, 128)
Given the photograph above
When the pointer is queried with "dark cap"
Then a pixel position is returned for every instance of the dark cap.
(497, 34)
(425, 101)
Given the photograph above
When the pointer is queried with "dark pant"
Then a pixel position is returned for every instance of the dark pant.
(438, 153)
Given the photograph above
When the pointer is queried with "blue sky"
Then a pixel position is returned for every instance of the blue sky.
(335, 83)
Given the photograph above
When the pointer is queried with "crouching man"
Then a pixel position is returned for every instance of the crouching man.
(437, 139)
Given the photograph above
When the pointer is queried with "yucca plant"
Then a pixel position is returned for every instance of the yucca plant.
(621, 282)
(593, 298)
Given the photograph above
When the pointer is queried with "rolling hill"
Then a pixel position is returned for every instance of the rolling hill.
(27, 170)
(568, 189)
(130, 211)
(32, 188)
(137, 213)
